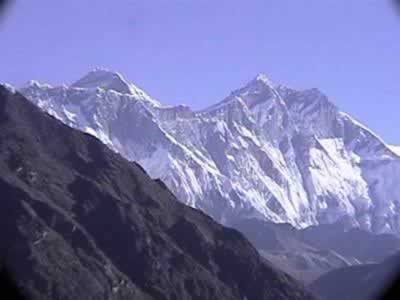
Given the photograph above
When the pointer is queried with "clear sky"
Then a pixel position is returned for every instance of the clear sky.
(197, 51)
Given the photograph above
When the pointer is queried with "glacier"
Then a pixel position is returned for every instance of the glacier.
(266, 151)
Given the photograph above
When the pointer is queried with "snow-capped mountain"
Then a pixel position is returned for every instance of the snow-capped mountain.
(266, 151)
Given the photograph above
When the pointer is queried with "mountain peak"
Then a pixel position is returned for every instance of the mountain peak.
(259, 89)
(111, 80)
(260, 82)
(106, 79)
(263, 78)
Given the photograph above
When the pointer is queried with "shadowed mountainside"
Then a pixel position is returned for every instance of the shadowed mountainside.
(365, 282)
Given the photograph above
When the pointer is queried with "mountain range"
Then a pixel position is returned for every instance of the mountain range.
(265, 152)
(78, 221)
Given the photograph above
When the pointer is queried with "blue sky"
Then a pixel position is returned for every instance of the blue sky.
(197, 51)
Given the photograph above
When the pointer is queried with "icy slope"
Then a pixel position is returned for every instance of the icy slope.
(265, 151)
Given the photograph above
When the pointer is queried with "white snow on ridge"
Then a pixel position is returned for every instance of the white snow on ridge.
(272, 153)
(9, 87)
(109, 80)
(395, 149)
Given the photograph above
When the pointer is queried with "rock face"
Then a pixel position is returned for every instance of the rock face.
(80, 222)
(266, 151)
(366, 282)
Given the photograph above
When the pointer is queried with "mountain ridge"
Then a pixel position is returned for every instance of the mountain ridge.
(265, 151)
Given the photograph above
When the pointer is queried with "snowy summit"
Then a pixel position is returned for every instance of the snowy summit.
(266, 151)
